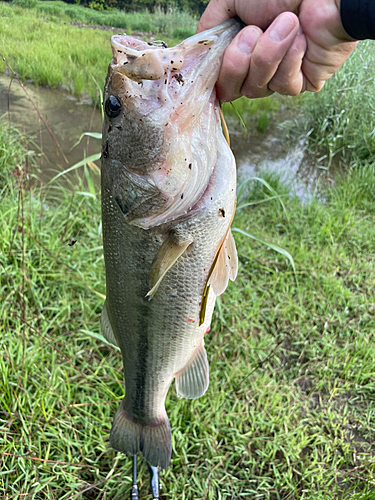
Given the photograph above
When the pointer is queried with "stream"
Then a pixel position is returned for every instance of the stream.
(69, 117)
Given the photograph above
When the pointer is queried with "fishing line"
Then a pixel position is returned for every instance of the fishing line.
(154, 481)
(134, 493)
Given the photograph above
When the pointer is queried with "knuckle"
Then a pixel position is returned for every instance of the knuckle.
(256, 92)
(285, 89)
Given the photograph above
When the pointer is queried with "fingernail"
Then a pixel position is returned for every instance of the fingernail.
(281, 28)
(248, 40)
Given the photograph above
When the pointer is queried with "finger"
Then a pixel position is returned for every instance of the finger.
(288, 79)
(268, 54)
(236, 62)
(328, 44)
(260, 13)
(216, 13)
(320, 64)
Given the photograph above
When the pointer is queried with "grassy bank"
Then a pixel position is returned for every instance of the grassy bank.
(289, 413)
(157, 22)
(77, 58)
(57, 54)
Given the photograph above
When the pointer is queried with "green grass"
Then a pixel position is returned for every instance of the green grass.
(156, 23)
(289, 413)
(59, 54)
(244, 113)
(340, 120)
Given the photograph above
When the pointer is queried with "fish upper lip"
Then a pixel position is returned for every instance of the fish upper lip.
(202, 37)
(145, 62)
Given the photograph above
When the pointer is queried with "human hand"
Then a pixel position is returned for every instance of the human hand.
(303, 45)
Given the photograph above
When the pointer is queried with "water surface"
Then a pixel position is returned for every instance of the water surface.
(69, 117)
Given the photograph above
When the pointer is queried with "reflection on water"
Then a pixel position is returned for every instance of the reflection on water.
(67, 117)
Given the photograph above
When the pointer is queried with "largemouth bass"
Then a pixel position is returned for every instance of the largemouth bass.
(168, 199)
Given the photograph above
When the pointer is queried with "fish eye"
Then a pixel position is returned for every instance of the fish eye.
(112, 107)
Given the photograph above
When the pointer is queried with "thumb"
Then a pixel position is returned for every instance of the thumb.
(216, 13)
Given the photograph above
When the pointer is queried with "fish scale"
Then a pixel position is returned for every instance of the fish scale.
(167, 245)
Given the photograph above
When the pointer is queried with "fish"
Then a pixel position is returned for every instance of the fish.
(168, 183)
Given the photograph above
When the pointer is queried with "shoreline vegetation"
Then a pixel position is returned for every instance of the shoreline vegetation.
(290, 410)
(337, 124)
(80, 63)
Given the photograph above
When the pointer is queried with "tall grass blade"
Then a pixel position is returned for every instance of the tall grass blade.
(239, 116)
(272, 246)
(81, 163)
(95, 135)
(99, 337)
(266, 185)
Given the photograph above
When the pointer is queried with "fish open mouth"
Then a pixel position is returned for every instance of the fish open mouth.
(170, 92)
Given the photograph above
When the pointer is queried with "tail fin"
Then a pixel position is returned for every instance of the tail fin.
(154, 440)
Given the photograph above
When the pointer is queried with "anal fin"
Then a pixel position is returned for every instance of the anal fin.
(106, 327)
(192, 381)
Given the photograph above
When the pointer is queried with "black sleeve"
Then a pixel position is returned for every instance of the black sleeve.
(358, 18)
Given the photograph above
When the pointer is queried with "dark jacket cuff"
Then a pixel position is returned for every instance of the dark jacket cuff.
(358, 18)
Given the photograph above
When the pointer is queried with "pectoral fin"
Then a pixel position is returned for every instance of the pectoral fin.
(192, 381)
(168, 254)
(226, 266)
(232, 256)
(106, 327)
(220, 273)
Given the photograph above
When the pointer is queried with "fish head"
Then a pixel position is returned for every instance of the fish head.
(153, 94)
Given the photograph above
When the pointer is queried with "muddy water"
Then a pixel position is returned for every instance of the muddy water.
(69, 117)
(279, 152)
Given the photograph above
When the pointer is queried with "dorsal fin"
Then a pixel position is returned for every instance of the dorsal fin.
(106, 327)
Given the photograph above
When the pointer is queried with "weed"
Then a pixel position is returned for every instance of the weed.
(340, 120)
(26, 4)
(243, 113)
